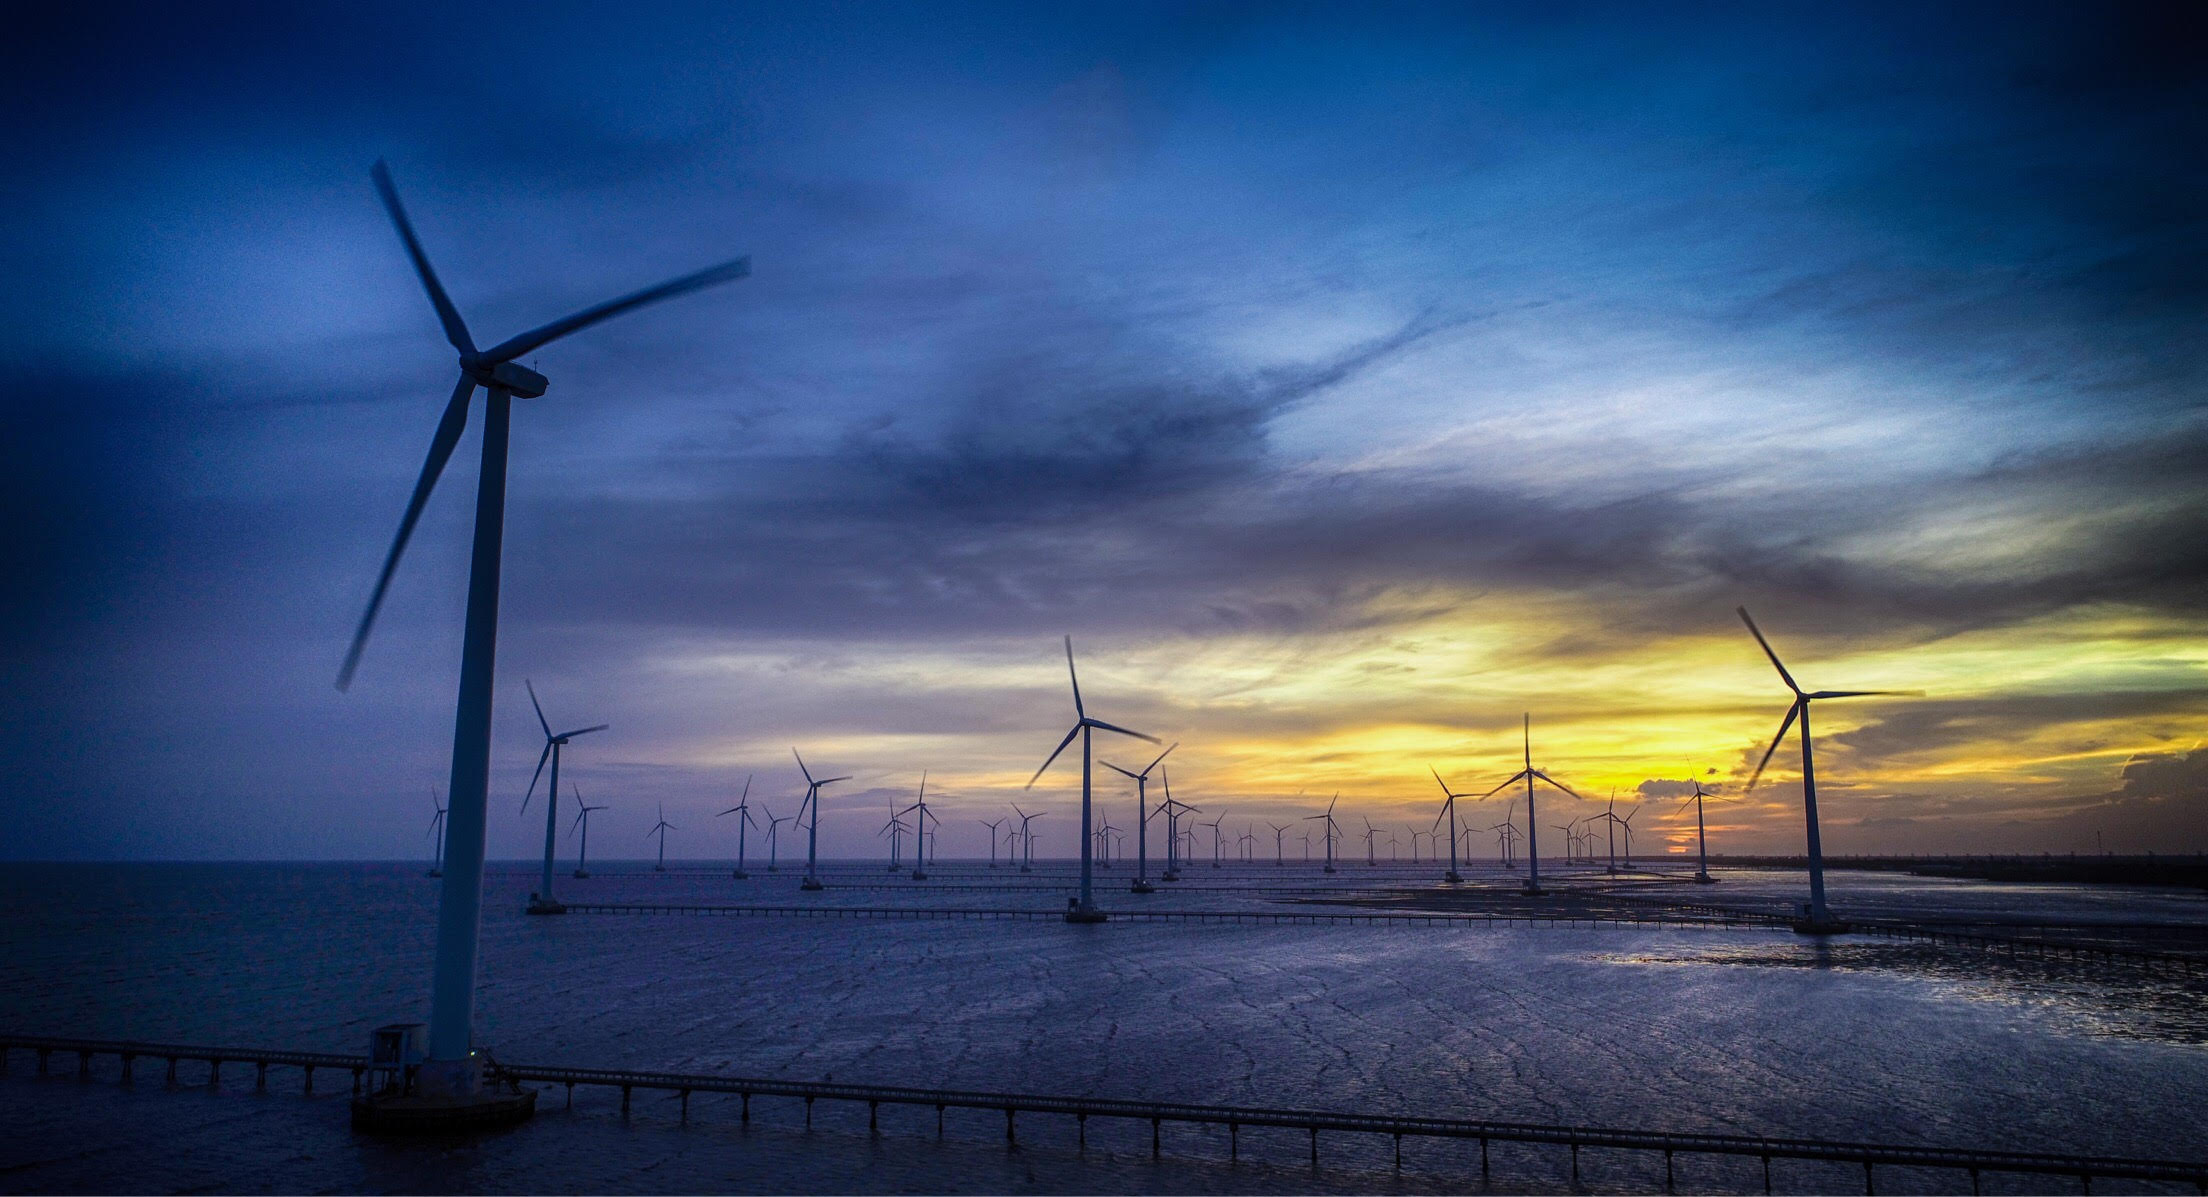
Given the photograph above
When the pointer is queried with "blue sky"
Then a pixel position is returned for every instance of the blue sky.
(1348, 378)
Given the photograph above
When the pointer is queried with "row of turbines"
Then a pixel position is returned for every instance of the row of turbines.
(451, 1073)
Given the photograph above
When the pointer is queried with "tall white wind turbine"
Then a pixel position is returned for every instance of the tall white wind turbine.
(1449, 810)
(661, 829)
(1084, 908)
(453, 1074)
(1332, 828)
(1816, 919)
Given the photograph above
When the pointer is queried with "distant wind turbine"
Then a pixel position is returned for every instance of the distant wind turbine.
(921, 815)
(1142, 822)
(582, 821)
(1701, 833)
(1449, 811)
(774, 827)
(661, 829)
(436, 834)
(1331, 828)
(1084, 909)
(1173, 811)
(543, 902)
(1027, 838)
(450, 1066)
(992, 825)
(744, 821)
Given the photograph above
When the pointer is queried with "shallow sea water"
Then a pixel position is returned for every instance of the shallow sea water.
(1677, 1028)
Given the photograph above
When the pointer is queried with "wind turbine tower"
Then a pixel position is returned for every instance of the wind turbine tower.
(1331, 828)
(1084, 909)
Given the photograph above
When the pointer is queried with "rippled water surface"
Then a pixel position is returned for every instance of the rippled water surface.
(1738, 1029)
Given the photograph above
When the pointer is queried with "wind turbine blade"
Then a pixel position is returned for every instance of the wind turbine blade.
(449, 428)
(456, 329)
(1116, 769)
(541, 758)
(1506, 781)
(578, 820)
(1076, 679)
(1757, 632)
(801, 766)
(832, 780)
(541, 721)
(508, 350)
(1865, 693)
(1099, 723)
(1161, 756)
(1438, 781)
(1776, 740)
(1052, 757)
(741, 798)
(584, 731)
(1558, 784)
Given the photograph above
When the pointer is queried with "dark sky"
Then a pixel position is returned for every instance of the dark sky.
(1347, 379)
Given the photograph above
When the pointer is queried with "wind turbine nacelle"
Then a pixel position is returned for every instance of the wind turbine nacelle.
(524, 382)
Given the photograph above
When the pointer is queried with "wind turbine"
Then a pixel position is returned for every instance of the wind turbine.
(661, 829)
(1529, 774)
(1280, 851)
(1218, 816)
(895, 830)
(774, 827)
(992, 825)
(1626, 824)
(1701, 833)
(452, 1073)
(742, 811)
(437, 839)
(1449, 811)
(1084, 908)
(1571, 841)
(1173, 812)
(1027, 838)
(1816, 919)
(812, 826)
(1371, 861)
(920, 829)
(543, 902)
(1142, 822)
(1330, 828)
(582, 820)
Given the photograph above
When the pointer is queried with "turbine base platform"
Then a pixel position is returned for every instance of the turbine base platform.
(659, 868)
(917, 875)
(1827, 926)
(1169, 876)
(808, 884)
(410, 1114)
(1091, 915)
(1327, 869)
(434, 873)
(538, 905)
(1452, 877)
(741, 875)
(582, 874)
(1142, 887)
(1533, 891)
(1704, 879)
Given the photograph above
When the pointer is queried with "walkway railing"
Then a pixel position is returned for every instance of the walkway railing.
(1972, 1162)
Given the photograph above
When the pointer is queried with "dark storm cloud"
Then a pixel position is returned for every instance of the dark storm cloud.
(1925, 726)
